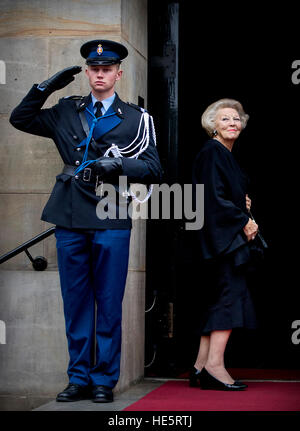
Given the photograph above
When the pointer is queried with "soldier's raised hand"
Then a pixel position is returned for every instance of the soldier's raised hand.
(60, 79)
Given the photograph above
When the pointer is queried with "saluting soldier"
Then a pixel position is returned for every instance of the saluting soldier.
(99, 138)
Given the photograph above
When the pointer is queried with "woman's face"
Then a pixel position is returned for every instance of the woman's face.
(228, 124)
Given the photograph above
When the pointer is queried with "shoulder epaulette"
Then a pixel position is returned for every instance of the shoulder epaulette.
(137, 107)
(73, 97)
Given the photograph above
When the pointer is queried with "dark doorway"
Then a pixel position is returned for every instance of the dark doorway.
(196, 57)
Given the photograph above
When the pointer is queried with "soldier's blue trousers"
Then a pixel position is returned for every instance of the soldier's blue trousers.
(93, 268)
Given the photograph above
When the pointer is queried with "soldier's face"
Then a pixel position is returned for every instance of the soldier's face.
(102, 79)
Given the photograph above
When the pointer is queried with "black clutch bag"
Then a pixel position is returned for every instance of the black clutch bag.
(257, 248)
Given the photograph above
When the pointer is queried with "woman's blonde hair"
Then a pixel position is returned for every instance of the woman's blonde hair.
(209, 115)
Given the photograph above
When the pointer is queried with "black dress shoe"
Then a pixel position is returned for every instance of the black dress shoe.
(73, 392)
(241, 384)
(194, 377)
(102, 394)
(210, 382)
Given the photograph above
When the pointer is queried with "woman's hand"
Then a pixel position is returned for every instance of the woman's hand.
(248, 203)
(250, 229)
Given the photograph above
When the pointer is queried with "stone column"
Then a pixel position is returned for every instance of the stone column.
(39, 38)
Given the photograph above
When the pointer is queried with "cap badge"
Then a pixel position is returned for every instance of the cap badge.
(99, 49)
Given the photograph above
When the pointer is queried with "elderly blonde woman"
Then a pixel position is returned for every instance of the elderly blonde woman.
(223, 244)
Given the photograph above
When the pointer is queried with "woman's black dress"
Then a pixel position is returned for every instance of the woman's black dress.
(224, 252)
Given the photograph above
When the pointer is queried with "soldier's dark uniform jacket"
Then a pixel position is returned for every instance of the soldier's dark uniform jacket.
(73, 201)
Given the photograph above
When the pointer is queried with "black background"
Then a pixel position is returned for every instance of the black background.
(243, 52)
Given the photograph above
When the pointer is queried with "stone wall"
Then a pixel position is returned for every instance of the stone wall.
(37, 39)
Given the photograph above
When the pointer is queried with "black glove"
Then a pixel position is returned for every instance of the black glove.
(108, 167)
(60, 79)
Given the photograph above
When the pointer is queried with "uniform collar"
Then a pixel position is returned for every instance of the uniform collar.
(116, 105)
(106, 102)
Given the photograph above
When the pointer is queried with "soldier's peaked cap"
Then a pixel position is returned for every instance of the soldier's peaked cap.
(103, 52)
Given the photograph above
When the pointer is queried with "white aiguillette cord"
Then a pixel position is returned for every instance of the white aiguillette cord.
(146, 121)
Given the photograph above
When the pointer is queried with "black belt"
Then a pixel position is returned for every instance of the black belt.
(87, 173)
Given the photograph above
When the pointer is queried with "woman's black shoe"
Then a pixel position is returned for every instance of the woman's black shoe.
(194, 377)
(210, 382)
(241, 384)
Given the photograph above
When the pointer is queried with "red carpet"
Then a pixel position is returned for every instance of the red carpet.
(259, 396)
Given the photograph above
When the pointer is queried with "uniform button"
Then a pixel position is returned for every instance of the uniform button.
(78, 149)
(75, 137)
(77, 163)
(76, 177)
